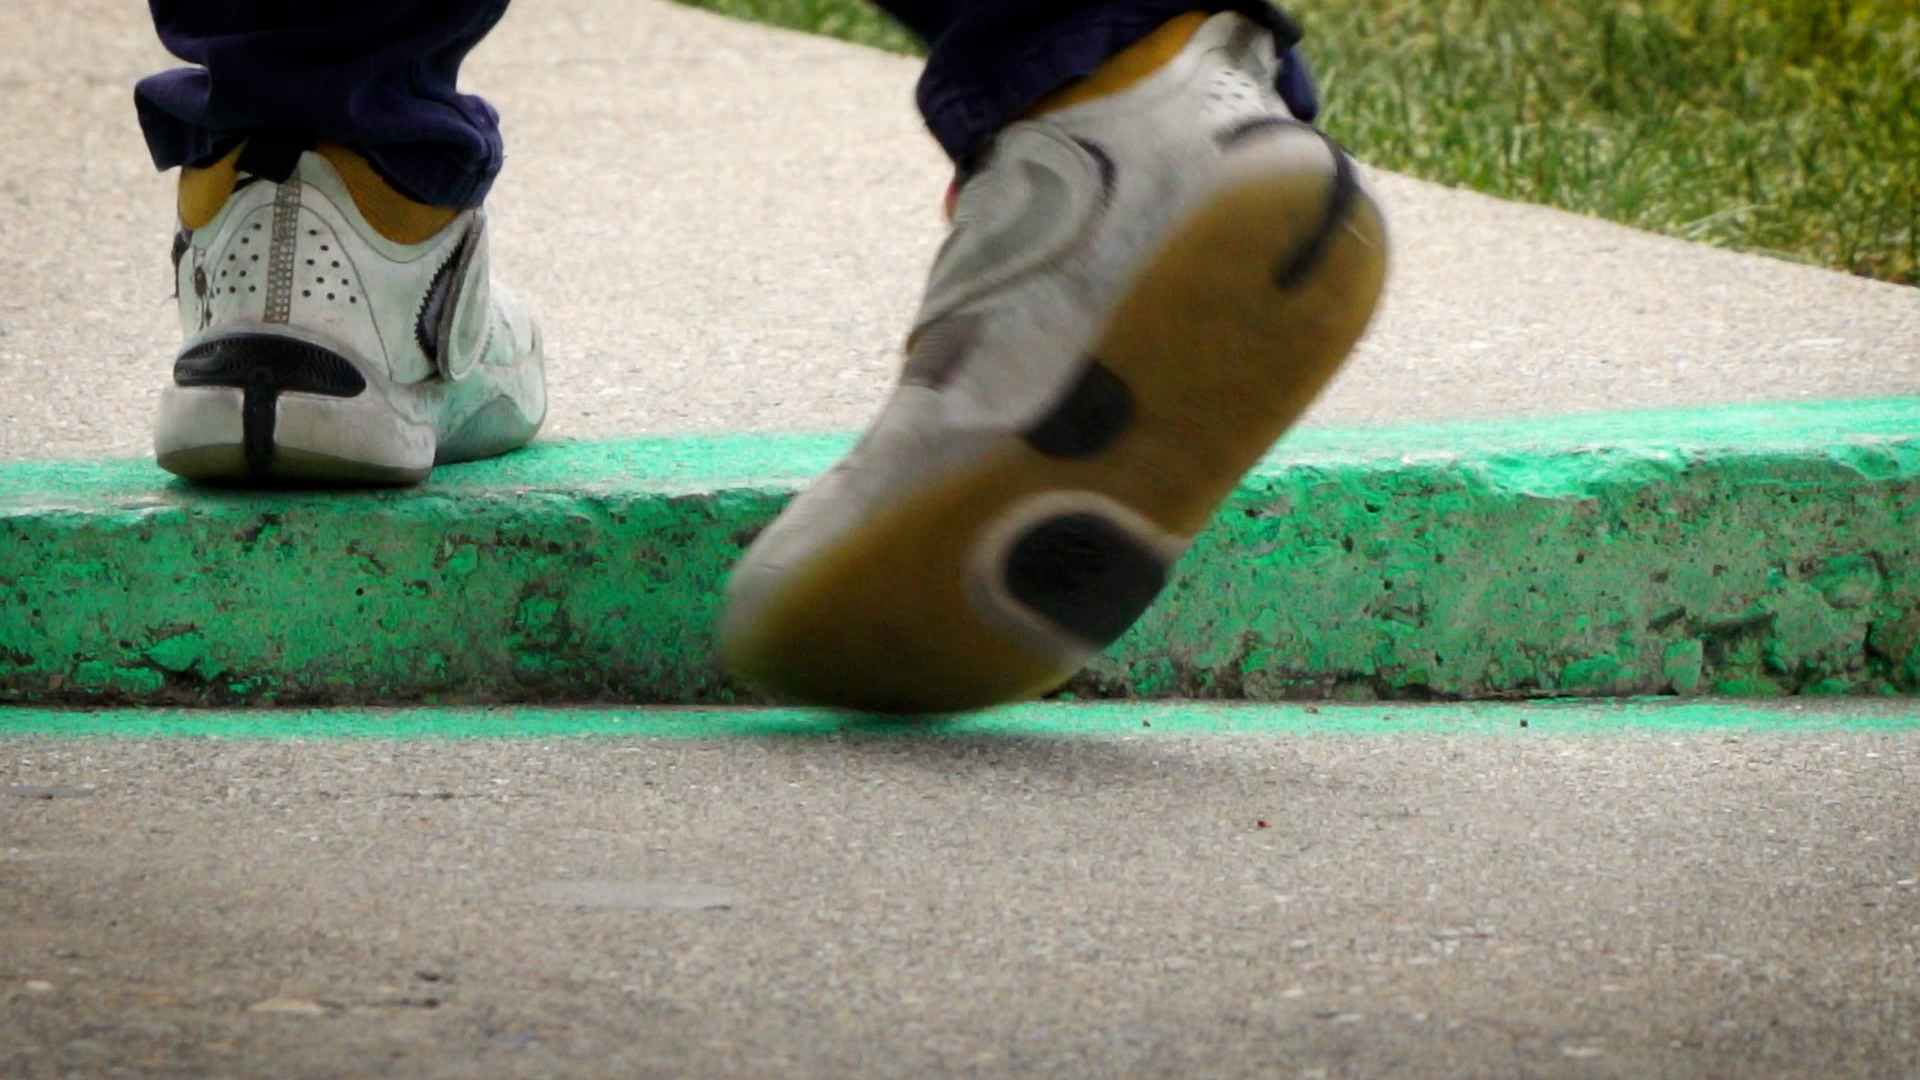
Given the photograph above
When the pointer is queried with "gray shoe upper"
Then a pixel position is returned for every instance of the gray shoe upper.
(1048, 233)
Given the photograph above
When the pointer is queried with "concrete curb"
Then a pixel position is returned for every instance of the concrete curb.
(1756, 551)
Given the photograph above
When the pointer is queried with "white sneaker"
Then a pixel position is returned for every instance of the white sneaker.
(1141, 292)
(319, 351)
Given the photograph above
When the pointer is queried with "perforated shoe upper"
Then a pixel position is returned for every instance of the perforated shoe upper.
(300, 254)
(298, 258)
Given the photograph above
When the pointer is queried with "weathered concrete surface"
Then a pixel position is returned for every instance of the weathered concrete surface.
(726, 228)
(1757, 551)
(1650, 905)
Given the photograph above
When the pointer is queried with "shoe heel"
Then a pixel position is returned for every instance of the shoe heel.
(267, 407)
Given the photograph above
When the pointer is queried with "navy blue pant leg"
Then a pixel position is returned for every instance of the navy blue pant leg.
(380, 74)
(375, 74)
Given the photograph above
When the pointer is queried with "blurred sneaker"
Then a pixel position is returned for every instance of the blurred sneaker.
(336, 331)
(1146, 283)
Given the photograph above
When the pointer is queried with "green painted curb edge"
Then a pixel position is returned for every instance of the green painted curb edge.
(1757, 551)
(1049, 720)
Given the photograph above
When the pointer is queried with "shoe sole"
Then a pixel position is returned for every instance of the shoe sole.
(997, 583)
(290, 468)
(265, 408)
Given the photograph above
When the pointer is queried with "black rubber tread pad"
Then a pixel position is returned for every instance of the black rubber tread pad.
(1085, 575)
(1087, 419)
(1340, 195)
(269, 361)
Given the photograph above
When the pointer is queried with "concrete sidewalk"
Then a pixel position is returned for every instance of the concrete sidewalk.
(725, 227)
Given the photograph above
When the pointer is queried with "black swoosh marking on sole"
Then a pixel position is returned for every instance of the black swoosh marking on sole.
(1340, 195)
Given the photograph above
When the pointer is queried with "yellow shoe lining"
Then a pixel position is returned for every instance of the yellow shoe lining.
(391, 214)
(1129, 66)
(204, 189)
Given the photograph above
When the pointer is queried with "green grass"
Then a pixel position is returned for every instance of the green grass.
(1785, 126)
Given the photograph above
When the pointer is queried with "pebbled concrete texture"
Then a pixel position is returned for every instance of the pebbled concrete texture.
(1766, 551)
(1656, 903)
(725, 228)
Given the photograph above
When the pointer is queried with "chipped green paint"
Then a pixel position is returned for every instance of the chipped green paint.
(1751, 551)
(1757, 551)
(1664, 716)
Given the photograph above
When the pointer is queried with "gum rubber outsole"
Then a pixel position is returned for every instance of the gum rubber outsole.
(1224, 339)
